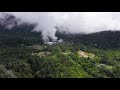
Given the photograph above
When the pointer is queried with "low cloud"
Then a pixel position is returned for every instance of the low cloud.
(73, 22)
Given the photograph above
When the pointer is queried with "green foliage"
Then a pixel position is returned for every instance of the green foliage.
(102, 40)
(23, 55)
(4, 73)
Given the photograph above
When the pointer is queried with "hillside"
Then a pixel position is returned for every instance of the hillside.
(104, 39)
(23, 54)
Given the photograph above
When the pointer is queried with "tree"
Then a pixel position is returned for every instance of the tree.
(4, 73)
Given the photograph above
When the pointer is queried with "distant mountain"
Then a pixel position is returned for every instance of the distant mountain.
(104, 39)
(24, 55)
(7, 21)
(13, 33)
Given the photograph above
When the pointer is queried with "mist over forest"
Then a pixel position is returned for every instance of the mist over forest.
(59, 45)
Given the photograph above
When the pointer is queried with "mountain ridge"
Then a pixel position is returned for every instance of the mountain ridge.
(23, 54)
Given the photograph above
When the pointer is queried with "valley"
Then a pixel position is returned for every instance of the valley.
(23, 54)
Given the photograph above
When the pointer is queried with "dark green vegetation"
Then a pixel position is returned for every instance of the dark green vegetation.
(23, 55)
(104, 39)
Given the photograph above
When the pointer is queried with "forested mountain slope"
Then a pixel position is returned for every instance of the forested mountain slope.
(23, 54)
(104, 39)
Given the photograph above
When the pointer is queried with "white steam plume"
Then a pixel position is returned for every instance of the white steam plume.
(76, 22)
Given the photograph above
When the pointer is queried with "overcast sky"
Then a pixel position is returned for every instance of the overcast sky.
(76, 22)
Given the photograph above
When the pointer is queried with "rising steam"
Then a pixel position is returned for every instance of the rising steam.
(73, 22)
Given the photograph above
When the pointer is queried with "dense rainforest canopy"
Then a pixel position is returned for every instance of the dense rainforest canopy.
(23, 54)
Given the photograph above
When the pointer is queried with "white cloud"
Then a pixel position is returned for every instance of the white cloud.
(77, 22)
